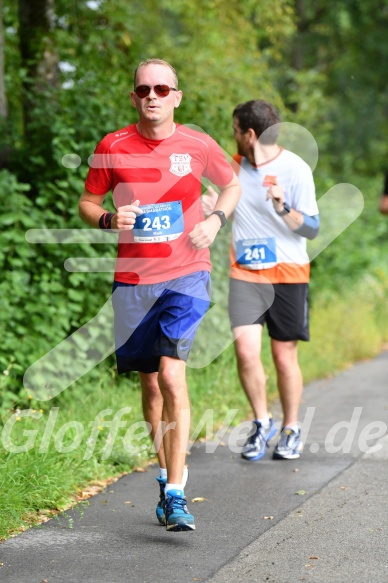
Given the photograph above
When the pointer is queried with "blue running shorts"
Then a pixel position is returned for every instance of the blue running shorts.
(158, 320)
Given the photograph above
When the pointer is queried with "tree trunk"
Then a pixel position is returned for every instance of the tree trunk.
(5, 146)
(298, 48)
(3, 96)
(38, 54)
(40, 61)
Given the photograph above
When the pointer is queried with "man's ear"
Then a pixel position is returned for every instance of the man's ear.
(178, 99)
(252, 136)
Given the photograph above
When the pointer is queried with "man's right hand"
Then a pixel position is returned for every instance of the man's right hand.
(125, 216)
(276, 193)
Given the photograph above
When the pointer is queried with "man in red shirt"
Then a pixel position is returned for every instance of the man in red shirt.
(162, 280)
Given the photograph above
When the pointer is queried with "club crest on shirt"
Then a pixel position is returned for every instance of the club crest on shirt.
(269, 180)
(180, 164)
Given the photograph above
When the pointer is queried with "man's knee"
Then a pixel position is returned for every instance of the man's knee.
(172, 377)
(285, 356)
(150, 386)
(153, 394)
(247, 352)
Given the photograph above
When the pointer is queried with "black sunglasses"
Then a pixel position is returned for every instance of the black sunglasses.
(161, 90)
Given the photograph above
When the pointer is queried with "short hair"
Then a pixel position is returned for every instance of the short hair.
(156, 62)
(258, 115)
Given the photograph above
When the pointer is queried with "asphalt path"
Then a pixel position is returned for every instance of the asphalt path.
(321, 518)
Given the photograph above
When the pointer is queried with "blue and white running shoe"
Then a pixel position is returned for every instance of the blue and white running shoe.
(160, 507)
(289, 445)
(177, 516)
(256, 445)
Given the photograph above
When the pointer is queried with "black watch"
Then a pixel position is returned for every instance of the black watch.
(222, 216)
(285, 210)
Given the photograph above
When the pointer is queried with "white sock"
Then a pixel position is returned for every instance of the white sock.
(294, 426)
(180, 487)
(173, 487)
(264, 421)
(163, 475)
(185, 476)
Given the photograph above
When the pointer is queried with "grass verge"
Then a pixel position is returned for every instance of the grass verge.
(70, 444)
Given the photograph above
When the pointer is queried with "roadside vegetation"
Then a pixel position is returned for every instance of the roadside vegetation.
(61, 90)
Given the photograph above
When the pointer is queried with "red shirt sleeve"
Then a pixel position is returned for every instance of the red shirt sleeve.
(218, 170)
(100, 176)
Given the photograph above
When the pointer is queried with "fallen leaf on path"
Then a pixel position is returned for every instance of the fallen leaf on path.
(268, 517)
(101, 483)
(127, 502)
(296, 470)
(139, 469)
(198, 499)
(301, 493)
(343, 487)
(314, 557)
(84, 495)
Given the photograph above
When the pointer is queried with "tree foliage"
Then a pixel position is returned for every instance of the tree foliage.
(340, 51)
(65, 76)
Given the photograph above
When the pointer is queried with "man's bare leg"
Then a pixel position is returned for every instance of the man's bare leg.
(176, 414)
(289, 377)
(290, 385)
(152, 402)
(250, 369)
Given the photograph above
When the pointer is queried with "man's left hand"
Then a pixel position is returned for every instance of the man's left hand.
(204, 233)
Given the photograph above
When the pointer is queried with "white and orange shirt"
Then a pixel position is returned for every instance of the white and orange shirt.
(264, 249)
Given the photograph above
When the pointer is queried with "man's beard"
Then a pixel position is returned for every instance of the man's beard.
(240, 150)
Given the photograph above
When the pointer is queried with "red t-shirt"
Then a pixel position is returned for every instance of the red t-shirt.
(158, 171)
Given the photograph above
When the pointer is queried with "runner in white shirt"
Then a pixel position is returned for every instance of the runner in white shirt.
(269, 271)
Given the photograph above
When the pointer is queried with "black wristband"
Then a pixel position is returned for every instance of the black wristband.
(285, 210)
(105, 221)
(221, 216)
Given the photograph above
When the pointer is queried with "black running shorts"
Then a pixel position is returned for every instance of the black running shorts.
(283, 307)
